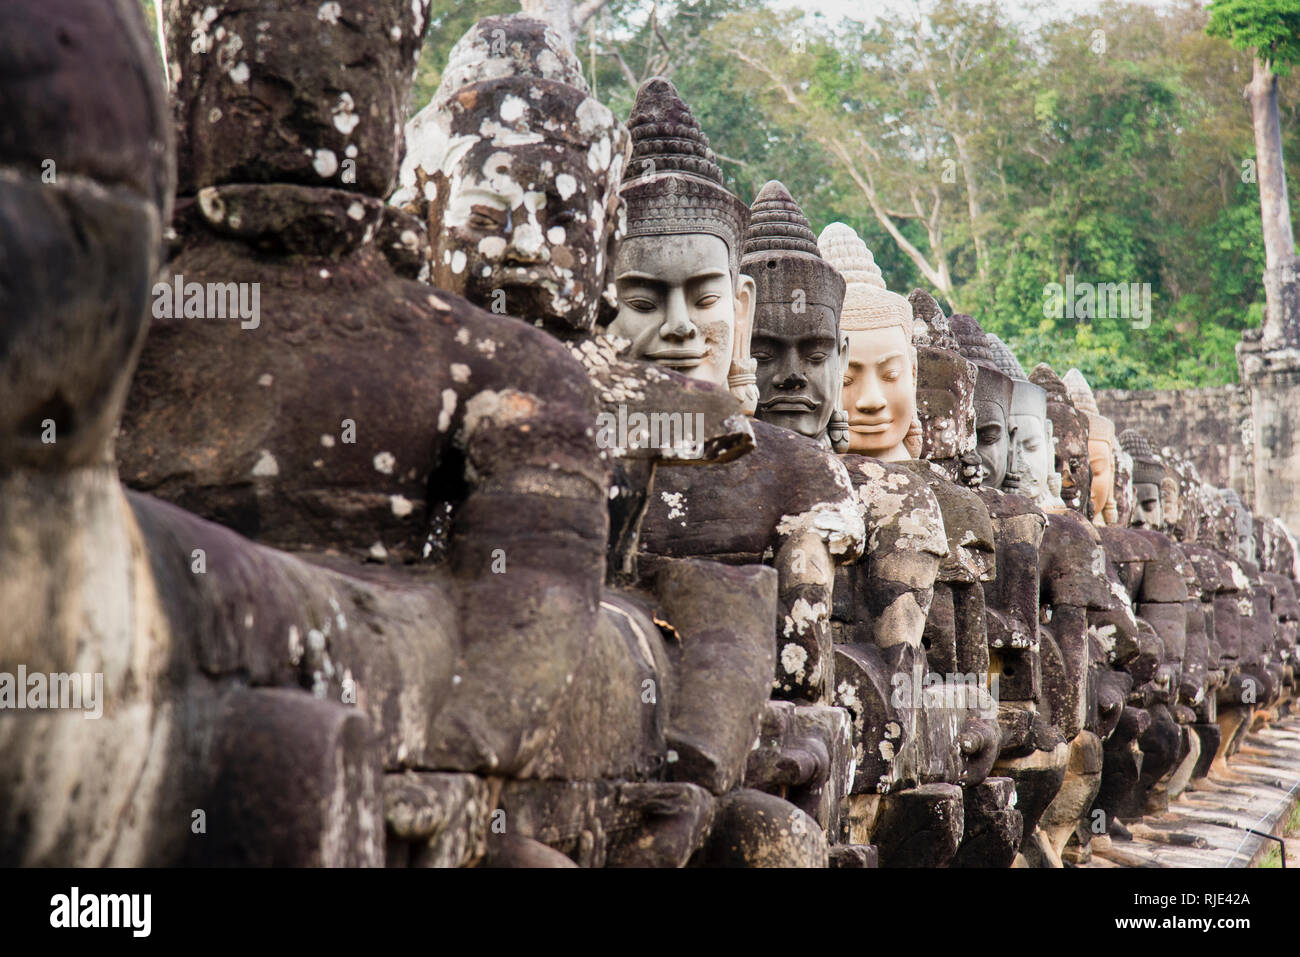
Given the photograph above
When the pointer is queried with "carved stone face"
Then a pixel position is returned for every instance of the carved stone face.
(1031, 456)
(945, 402)
(1101, 461)
(1147, 510)
(879, 392)
(524, 232)
(1070, 442)
(798, 367)
(993, 435)
(680, 304)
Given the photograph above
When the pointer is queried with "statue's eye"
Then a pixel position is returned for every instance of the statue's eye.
(642, 305)
(707, 301)
(760, 356)
(482, 221)
(817, 357)
(563, 217)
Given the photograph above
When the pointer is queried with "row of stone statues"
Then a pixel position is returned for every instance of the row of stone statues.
(558, 508)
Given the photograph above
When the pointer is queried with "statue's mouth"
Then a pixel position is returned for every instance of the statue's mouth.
(788, 403)
(870, 428)
(677, 358)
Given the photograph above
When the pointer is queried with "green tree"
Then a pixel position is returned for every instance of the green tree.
(1270, 28)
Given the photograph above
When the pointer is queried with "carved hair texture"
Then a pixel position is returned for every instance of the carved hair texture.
(868, 303)
(673, 184)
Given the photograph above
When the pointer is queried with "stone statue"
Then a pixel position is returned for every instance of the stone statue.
(515, 168)
(993, 391)
(907, 798)
(1030, 471)
(682, 299)
(796, 341)
(1069, 440)
(684, 305)
(1102, 447)
(434, 402)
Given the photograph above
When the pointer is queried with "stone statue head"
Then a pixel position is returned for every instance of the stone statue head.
(1069, 439)
(94, 108)
(1242, 528)
(682, 299)
(993, 395)
(945, 384)
(515, 167)
(1030, 466)
(237, 70)
(879, 387)
(797, 341)
(1125, 500)
(1180, 497)
(1102, 447)
(1148, 476)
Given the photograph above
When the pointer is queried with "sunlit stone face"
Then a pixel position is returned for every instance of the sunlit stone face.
(879, 392)
(1031, 457)
(679, 303)
(798, 367)
(1102, 463)
(993, 441)
(1070, 442)
(1171, 510)
(523, 233)
(1147, 512)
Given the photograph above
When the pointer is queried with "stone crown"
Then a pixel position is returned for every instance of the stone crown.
(1005, 359)
(868, 303)
(1043, 375)
(781, 253)
(673, 184)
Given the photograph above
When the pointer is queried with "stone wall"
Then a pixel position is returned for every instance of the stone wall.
(1212, 426)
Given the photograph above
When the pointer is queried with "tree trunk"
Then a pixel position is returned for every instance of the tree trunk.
(1282, 293)
(566, 17)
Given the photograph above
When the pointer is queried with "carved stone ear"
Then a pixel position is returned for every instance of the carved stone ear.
(742, 377)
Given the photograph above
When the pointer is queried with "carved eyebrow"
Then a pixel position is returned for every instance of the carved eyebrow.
(888, 356)
(639, 277)
(478, 194)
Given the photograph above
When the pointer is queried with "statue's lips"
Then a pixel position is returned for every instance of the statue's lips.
(788, 403)
(870, 428)
(677, 358)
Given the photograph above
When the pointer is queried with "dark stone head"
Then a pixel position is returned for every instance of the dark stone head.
(86, 177)
(1070, 439)
(796, 340)
(307, 93)
(1148, 476)
(993, 394)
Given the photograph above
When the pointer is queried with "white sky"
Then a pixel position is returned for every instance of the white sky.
(1030, 11)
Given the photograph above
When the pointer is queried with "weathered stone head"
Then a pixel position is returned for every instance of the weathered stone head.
(241, 67)
(1184, 494)
(1102, 447)
(945, 388)
(797, 341)
(1148, 476)
(1069, 439)
(682, 299)
(879, 388)
(993, 392)
(1029, 470)
(70, 335)
(515, 167)
(1242, 528)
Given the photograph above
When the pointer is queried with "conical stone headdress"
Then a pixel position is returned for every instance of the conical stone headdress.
(781, 254)
(1044, 376)
(868, 303)
(1084, 401)
(992, 385)
(511, 81)
(673, 184)
(1026, 397)
(1147, 468)
(930, 324)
